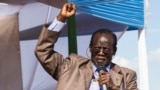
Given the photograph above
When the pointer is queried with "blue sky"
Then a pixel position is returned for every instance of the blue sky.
(128, 46)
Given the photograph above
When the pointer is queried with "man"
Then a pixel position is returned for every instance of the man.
(77, 72)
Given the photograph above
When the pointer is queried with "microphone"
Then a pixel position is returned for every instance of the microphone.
(101, 66)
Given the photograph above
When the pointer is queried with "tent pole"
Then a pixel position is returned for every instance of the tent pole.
(143, 64)
(48, 14)
(72, 39)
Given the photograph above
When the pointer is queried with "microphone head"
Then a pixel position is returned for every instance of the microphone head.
(101, 66)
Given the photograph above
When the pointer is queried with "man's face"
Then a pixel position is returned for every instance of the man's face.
(102, 49)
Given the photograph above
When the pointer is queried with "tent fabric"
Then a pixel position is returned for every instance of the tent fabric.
(34, 76)
(10, 64)
(54, 3)
(86, 24)
(18, 2)
(129, 12)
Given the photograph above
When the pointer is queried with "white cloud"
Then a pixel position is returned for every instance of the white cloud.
(152, 31)
(132, 64)
(154, 55)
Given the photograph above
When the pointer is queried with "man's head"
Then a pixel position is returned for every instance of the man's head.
(103, 46)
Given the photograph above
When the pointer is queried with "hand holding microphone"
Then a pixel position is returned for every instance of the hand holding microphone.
(104, 77)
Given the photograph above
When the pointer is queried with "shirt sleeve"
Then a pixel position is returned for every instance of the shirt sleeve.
(56, 25)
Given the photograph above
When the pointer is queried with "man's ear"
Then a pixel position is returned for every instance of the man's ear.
(89, 48)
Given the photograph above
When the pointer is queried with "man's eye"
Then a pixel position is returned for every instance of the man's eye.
(96, 48)
(106, 50)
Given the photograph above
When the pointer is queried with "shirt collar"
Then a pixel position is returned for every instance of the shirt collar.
(95, 73)
(95, 68)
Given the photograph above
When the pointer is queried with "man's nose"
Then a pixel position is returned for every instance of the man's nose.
(101, 52)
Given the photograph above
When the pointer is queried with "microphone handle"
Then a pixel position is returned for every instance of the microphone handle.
(101, 66)
(104, 87)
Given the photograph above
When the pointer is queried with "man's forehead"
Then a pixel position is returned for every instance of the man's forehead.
(103, 39)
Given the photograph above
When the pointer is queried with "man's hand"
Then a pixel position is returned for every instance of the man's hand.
(104, 78)
(68, 10)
